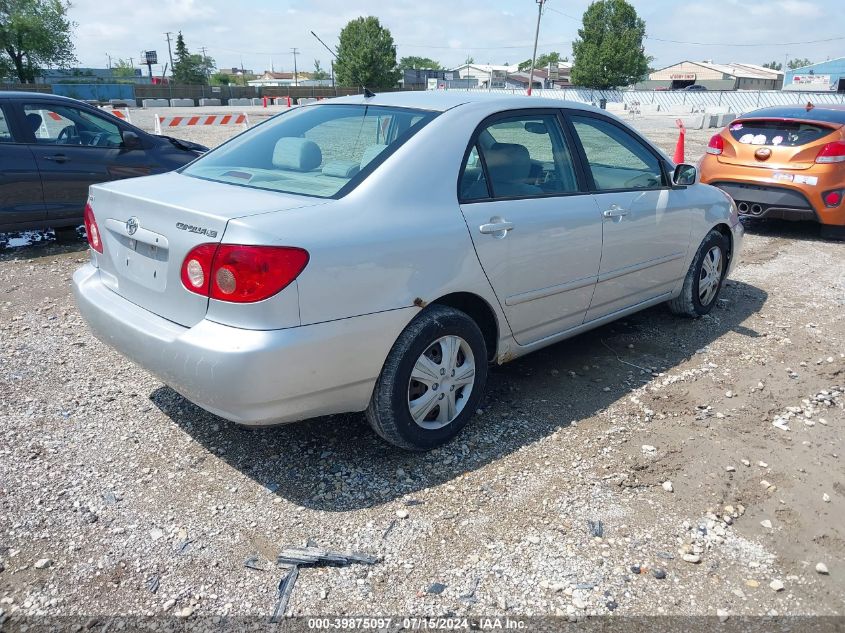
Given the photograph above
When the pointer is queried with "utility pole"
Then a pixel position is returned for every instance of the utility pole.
(536, 37)
(169, 52)
(205, 67)
(295, 52)
(109, 56)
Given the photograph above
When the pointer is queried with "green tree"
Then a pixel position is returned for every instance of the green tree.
(798, 63)
(123, 70)
(190, 68)
(543, 61)
(412, 62)
(221, 79)
(34, 34)
(469, 60)
(773, 65)
(319, 73)
(366, 55)
(609, 50)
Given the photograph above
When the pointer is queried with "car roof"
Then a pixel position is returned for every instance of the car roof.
(23, 94)
(442, 100)
(826, 113)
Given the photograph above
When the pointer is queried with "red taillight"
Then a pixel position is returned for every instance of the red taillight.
(716, 145)
(832, 198)
(92, 231)
(832, 153)
(196, 269)
(241, 274)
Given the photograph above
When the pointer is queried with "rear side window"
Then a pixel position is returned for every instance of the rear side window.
(5, 132)
(321, 151)
(774, 132)
(616, 159)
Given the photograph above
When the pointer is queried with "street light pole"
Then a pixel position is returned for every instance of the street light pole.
(536, 37)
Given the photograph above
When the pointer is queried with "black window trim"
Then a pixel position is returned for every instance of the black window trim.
(566, 135)
(568, 113)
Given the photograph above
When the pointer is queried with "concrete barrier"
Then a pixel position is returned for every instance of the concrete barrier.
(716, 109)
(122, 103)
(726, 119)
(239, 102)
(210, 102)
(155, 103)
(615, 106)
(282, 101)
(680, 108)
(182, 103)
(649, 108)
(305, 101)
(695, 122)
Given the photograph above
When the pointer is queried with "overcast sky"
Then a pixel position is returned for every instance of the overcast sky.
(491, 31)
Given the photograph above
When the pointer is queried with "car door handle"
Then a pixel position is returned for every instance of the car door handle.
(615, 211)
(496, 227)
(59, 158)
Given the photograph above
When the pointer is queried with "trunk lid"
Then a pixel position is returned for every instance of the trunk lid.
(148, 226)
(778, 144)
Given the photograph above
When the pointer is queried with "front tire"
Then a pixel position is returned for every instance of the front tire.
(431, 382)
(704, 279)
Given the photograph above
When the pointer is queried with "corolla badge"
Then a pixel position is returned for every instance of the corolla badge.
(132, 225)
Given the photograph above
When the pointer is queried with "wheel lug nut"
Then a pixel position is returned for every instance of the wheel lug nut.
(442, 395)
(442, 372)
(453, 372)
(435, 386)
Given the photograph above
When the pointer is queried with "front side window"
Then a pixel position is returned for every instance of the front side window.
(616, 159)
(65, 125)
(523, 156)
(321, 151)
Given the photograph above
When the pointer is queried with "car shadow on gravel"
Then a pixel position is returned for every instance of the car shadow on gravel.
(337, 463)
(806, 231)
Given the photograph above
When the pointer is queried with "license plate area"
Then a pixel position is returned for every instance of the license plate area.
(141, 258)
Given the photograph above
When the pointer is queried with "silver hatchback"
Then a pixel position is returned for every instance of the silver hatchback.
(377, 253)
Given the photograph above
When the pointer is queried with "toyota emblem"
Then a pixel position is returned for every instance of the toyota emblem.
(763, 153)
(132, 225)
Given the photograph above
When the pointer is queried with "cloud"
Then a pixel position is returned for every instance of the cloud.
(263, 31)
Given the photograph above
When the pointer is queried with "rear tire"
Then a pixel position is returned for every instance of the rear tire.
(437, 368)
(704, 279)
(832, 232)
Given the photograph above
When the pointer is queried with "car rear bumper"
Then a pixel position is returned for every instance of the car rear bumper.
(252, 377)
(768, 201)
(759, 194)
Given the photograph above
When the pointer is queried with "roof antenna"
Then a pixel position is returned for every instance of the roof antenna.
(368, 94)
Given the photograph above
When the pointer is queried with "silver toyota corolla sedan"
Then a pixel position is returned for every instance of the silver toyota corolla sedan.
(377, 253)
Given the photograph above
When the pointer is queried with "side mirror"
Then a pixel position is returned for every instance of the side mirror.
(685, 175)
(130, 140)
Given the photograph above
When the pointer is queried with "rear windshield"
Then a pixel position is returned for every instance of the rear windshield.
(323, 151)
(774, 132)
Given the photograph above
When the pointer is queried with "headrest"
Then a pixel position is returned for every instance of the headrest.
(34, 121)
(341, 168)
(296, 153)
(508, 162)
(370, 153)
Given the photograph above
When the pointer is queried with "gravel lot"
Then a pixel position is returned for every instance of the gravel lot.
(653, 466)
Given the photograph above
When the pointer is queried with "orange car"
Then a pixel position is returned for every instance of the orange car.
(783, 162)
